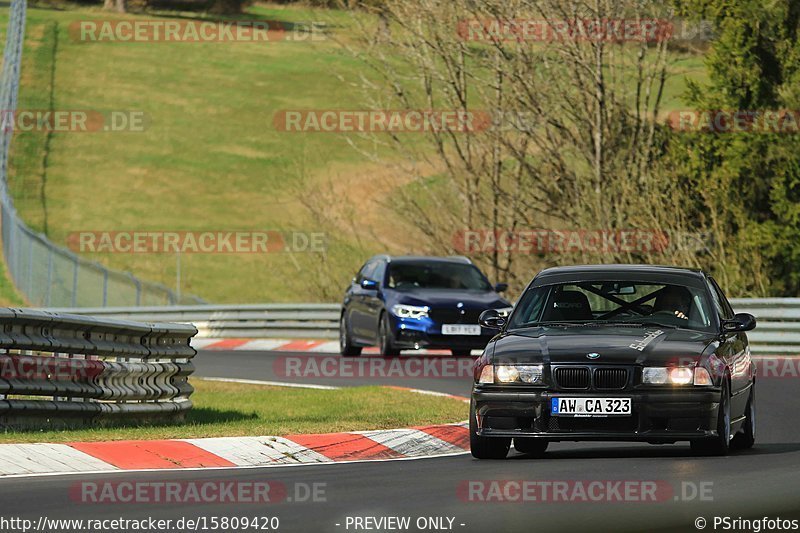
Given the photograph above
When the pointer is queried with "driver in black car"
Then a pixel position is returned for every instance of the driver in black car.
(673, 300)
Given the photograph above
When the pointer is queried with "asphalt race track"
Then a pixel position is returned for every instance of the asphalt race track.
(763, 482)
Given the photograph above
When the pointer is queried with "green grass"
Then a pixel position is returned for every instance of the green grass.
(261, 410)
(210, 158)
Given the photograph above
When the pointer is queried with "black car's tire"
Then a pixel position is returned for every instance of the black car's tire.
(346, 347)
(461, 352)
(721, 444)
(534, 447)
(745, 439)
(386, 338)
(485, 447)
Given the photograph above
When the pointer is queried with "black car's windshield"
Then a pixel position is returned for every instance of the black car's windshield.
(614, 303)
(440, 275)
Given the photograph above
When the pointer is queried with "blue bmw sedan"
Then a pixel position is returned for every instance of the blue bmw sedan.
(408, 303)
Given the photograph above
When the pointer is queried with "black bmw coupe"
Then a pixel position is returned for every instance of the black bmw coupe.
(615, 353)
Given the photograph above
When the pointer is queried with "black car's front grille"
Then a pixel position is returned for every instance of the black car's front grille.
(572, 378)
(610, 378)
(453, 315)
(602, 424)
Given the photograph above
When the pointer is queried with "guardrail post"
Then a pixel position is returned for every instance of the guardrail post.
(49, 277)
(74, 296)
(30, 266)
(138, 285)
(105, 287)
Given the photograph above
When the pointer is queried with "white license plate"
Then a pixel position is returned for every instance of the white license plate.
(590, 406)
(461, 329)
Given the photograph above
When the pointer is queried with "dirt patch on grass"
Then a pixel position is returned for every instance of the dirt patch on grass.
(358, 201)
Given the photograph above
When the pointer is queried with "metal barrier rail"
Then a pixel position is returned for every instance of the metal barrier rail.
(778, 330)
(70, 370)
(294, 321)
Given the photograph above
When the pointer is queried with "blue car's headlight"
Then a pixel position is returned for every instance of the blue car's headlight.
(409, 311)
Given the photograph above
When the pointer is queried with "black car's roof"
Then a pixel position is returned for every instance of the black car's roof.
(655, 273)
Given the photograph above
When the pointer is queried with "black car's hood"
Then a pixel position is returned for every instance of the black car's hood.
(615, 345)
(450, 298)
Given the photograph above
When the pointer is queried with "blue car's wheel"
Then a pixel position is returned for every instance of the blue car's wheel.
(386, 338)
(346, 347)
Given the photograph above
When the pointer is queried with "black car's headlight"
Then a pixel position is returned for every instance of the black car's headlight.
(410, 311)
(678, 375)
(530, 374)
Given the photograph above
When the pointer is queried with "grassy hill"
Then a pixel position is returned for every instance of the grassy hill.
(210, 157)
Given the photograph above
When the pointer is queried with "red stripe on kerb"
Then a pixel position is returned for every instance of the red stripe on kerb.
(457, 435)
(226, 344)
(345, 446)
(131, 454)
(299, 346)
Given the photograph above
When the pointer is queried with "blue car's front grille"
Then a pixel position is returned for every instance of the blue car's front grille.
(454, 316)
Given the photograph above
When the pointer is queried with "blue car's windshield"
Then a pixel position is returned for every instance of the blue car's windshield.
(613, 302)
(410, 276)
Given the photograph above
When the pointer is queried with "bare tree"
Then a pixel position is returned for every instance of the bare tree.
(565, 96)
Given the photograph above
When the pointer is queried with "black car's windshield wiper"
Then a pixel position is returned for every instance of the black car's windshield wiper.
(597, 323)
(636, 324)
(551, 324)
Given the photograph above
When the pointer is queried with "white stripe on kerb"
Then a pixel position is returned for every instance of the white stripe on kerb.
(411, 442)
(40, 458)
(259, 451)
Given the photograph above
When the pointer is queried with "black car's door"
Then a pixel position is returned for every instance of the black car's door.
(734, 349)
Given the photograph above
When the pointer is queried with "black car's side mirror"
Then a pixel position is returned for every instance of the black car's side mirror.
(491, 319)
(739, 322)
(501, 287)
(369, 284)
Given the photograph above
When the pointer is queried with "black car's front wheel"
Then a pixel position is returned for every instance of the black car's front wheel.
(721, 443)
(386, 338)
(745, 439)
(485, 447)
(346, 347)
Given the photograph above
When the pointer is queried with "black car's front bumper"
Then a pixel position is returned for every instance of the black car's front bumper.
(657, 416)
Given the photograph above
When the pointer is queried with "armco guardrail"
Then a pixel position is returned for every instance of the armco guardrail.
(778, 330)
(47, 274)
(294, 321)
(778, 324)
(69, 370)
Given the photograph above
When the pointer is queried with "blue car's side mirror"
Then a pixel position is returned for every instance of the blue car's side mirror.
(501, 287)
(369, 284)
